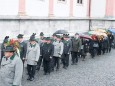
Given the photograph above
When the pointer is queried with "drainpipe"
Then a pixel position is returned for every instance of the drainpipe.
(89, 14)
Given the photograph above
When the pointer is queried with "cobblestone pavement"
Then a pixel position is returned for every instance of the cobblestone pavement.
(99, 71)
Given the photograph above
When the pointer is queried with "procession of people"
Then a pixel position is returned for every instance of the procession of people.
(48, 53)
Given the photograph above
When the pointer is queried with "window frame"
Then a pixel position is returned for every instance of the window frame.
(79, 1)
(60, 1)
(80, 4)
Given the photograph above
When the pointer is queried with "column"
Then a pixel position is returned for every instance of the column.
(21, 11)
(71, 8)
(88, 8)
(51, 6)
(110, 8)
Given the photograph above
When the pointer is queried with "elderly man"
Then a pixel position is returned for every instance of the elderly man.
(11, 68)
(58, 50)
(32, 56)
(23, 47)
(66, 51)
(47, 53)
(76, 46)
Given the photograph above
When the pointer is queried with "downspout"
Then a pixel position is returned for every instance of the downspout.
(89, 14)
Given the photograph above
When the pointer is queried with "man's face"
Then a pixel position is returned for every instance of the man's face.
(5, 44)
(8, 54)
(54, 37)
(20, 39)
(58, 39)
(32, 42)
(66, 38)
(43, 41)
(76, 36)
(48, 41)
(41, 37)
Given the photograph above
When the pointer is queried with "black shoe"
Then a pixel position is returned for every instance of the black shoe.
(83, 60)
(38, 69)
(52, 70)
(75, 63)
(57, 69)
(31, 79)
(45, 73)
(65, 67)
(28, 78)
(48, 73)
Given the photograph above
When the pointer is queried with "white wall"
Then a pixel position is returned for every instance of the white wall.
(98, 8)
(61, 9)
(80, 10)
(9, 7)
(9, 28)
(37, 7)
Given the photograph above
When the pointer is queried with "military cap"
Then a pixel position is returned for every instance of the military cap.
(20, 36)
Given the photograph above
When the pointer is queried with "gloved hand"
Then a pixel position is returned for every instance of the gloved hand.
(59, 55)
(50, 57)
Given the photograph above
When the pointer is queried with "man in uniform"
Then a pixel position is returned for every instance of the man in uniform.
(39, 40)
(76, 47)
(11, 68)
(43, 41)
(4, 44)
(47, 53)
(66, 51)
(23, 47)
(58, 50)
(110, 38)
(32, 56)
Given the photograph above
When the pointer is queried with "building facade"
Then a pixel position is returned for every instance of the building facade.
(28, 16)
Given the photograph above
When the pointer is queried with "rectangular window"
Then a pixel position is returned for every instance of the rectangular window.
(79, 1)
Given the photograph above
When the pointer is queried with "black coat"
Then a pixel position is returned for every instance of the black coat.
(47, 51)
(2, 50)
(23, 49)
(41, 47)
(105, 43)
(111, 38)
(91, 43)
(86, 46)
(67, 47)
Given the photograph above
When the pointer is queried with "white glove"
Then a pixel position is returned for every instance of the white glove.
(50, 57)
(59, 55)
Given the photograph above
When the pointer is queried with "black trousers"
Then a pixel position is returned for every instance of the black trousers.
(75, 57)
(99, 51)
(39, 62)
(92, 52)
(65, 60)
(47, 66)
(31, 70)
(110, 47)
(52, 64)
(56, 62)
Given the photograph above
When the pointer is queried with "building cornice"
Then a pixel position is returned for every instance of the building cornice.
(54, 18)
